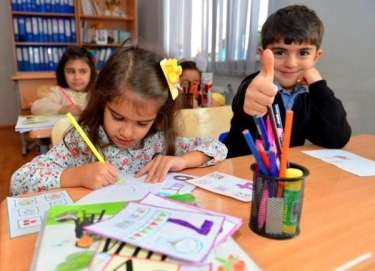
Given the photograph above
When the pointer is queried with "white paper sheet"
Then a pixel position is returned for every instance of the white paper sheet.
(346, 161)
(184, 235)
(130, 188)
(225, 184)
(25, 215)
(230, 225)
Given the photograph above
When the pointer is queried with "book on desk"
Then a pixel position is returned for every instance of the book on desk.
(64, 242)
(37, 122)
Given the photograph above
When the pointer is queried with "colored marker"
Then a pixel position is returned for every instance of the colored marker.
(276, 136)
(262, 131)
(292, 201)
(85, 138)
(285, 150)
(253, 149)
(66, 95)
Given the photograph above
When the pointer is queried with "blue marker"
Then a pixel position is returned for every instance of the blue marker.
(262, 132)
(250, 143)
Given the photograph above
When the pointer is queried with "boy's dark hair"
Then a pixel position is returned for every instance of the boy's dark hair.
(293, 24)
(72, 53)
(134, 73)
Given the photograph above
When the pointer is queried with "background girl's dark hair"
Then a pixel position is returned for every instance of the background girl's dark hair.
(293, 24)
(132, 71)
(189, 65)
(72, 53)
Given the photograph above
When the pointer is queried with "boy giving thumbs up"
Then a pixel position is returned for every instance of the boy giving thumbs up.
(291, 40)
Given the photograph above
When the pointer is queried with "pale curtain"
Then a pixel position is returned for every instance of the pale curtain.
(224, 32)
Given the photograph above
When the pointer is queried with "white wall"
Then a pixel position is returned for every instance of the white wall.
(8, 105)
(348, 62)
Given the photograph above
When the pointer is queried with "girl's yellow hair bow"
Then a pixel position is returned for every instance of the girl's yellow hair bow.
(172, 72)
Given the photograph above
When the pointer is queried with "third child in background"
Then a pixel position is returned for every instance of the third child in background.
(75, 74)
(130, 118)
(291, 40)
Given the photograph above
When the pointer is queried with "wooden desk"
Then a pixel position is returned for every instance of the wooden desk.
(25, 88)
(337, 225)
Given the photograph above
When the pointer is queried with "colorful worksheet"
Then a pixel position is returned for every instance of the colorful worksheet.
(37, 122)
(130, 188)
(226, 184)
(346, 161)
(183, 235)
(230, 225)
(25, 215)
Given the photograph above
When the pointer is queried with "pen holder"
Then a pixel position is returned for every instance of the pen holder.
(277, 203)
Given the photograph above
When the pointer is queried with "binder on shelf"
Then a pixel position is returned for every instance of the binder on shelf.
(16, 32)
(21, 28)
(45, 30)
(61, 30)
(20, 63)
(49, 30)
(29, 29)
(31, 59)
(37, 66)
(68, 32)
(14, 5)
(35, 29)
(73, 30)
(25, 59)
(55, 29)
(40, 29)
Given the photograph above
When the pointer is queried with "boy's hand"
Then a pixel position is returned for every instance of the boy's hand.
(309, 77)
(158, 168)
(92, 176)
(261, 91)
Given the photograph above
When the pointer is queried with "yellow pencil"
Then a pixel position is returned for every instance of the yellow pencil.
(85, 138)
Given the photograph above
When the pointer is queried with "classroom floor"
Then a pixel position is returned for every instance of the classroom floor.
(10, 157)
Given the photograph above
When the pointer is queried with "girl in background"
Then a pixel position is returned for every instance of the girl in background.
(130, 118)
(75, 74)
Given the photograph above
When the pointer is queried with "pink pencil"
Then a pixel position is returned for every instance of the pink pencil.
(66, 95)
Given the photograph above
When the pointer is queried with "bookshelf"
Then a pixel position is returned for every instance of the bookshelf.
(41, 31)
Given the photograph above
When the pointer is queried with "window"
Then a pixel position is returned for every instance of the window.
(223, 32)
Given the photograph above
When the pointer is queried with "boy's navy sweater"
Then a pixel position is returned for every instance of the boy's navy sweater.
(318, 117)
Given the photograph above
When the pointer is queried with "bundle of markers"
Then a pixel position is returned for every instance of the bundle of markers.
(276, 203)
(271, 151)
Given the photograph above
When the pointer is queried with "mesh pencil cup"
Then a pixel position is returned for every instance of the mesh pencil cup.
(277, 203)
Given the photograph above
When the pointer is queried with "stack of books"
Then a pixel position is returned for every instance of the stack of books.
(33, 122)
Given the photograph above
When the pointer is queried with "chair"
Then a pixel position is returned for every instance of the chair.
(59, 130)
(204, 122)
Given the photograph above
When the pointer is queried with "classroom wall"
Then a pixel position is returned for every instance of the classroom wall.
(8, 105)
(348, 62)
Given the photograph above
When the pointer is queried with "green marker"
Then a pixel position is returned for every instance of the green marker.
(292, 201)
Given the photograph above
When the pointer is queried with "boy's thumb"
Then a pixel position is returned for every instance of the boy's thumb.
(267, 65)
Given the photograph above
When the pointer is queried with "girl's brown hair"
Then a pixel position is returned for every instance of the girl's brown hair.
(132, 71)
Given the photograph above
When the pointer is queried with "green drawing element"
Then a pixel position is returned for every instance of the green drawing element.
(110, 208)
(76, 261)
(186, 198)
